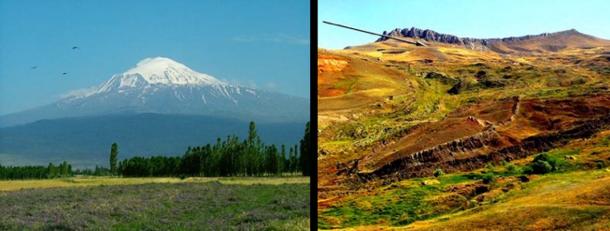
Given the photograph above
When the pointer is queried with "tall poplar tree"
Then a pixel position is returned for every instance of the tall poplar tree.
(305, 151)
(114, 152)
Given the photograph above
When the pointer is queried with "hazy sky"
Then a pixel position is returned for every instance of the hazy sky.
(467, 18)
(256, 43)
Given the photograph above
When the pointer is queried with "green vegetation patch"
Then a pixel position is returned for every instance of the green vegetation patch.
(183, 206)
(347, 84)
(400, 205)
(605, 141)
(552, 161)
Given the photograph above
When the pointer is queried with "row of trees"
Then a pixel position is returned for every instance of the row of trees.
(36, 172)
(228, 157)
(97, 171)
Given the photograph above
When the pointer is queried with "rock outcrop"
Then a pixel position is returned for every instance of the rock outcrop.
(502, 45)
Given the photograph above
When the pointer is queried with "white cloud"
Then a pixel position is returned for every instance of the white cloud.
(234, 82)
(79, 92)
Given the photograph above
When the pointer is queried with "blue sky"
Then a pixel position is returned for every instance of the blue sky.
(255, 43)
(466, 18)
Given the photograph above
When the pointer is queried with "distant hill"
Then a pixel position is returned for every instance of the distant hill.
(86, 140)
(546, 42)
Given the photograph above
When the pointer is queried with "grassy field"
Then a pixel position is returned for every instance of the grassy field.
(11, 185)
(577, 200)
(566, 201)
(102, 203)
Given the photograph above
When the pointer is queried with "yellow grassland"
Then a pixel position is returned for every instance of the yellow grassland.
(84, 181)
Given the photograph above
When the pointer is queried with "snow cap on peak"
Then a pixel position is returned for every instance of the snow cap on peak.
(161, 70)
(157, 71)
(156, 65)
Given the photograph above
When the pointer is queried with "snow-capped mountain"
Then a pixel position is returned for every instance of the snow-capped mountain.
(155, 72)
(162, 85)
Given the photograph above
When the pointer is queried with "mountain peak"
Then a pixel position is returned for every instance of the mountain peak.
(156, 65)
(149, 72)
(161, 70)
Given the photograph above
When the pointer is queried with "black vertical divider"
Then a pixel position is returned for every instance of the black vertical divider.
(313, 102)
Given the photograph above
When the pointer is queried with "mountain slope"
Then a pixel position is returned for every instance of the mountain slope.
(85, 141)
(161, 85)
(393, 115)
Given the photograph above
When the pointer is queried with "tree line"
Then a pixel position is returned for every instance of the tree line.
(226, 157)
(36, 172)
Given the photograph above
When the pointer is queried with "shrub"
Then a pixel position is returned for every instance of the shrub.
(600, 164)
(489, 167)
(541, 167)
(472, 176)
(511, 168)
(488, 178)
(438, 172)
(527, 169)
(544, 163)
(542, 157)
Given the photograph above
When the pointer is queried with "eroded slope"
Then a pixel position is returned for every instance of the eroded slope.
(389, 112)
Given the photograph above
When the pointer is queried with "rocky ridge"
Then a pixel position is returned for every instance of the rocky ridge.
(475, 43)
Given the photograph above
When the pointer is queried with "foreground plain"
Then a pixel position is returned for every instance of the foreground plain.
(280, 203)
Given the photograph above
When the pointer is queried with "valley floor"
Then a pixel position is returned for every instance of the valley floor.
(103, 203)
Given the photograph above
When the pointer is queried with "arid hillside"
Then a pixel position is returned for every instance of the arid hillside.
(393, 116)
